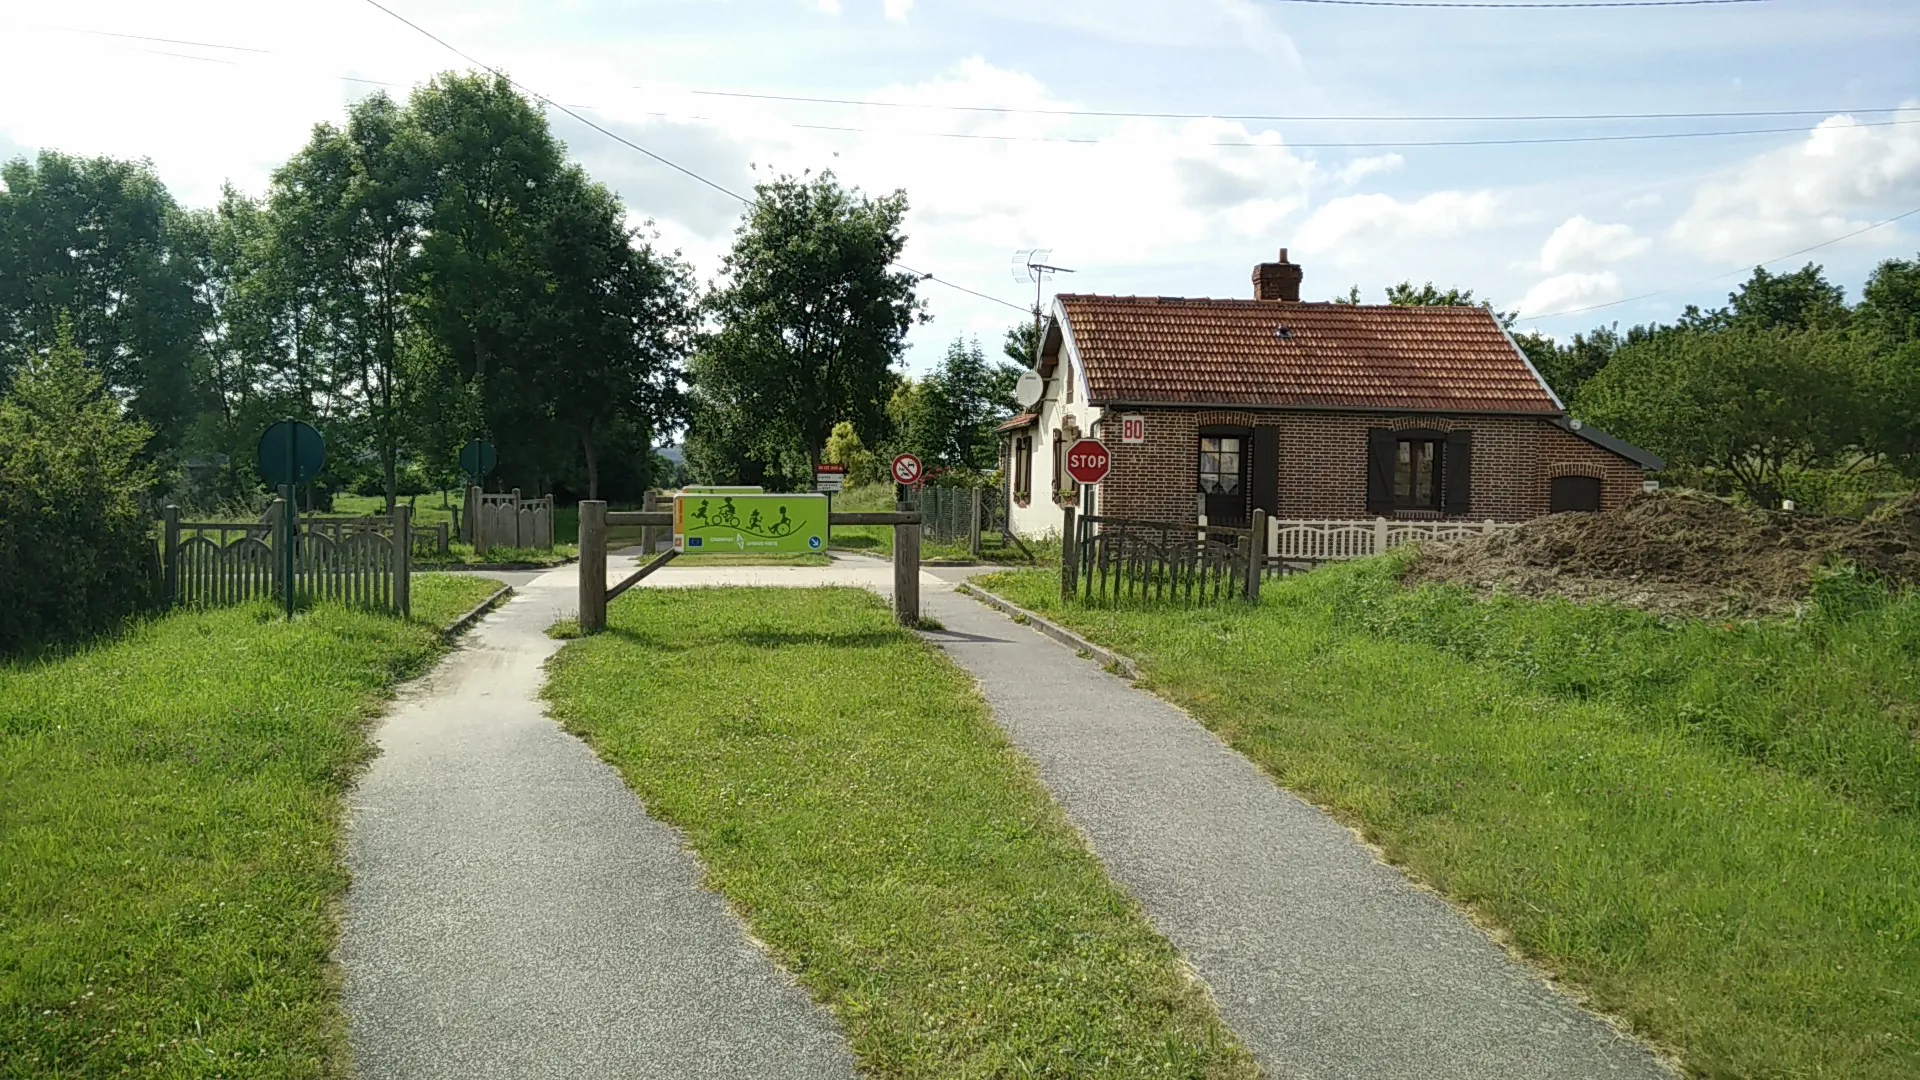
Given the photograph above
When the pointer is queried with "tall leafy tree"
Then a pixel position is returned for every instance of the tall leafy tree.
(617, 321)
(95, 239)
(811, 317)
(492, 163)
(1752, 403)
(354, 200)
(1890, 302)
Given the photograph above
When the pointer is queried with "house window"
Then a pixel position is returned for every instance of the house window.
(1023, 468)
(1064, 486)
(1416, 475)
(1219, 464)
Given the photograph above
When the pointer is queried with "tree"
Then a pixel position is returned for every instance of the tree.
(1890, 302)
(1752, 403)
(491, 162)
(1022, 344)
(76, 556)
(1406, 295)
(1802, 300)
(350, 206)
(845, 448)
(959, 404)
(94, 241)
(618, 319)
(811, 318)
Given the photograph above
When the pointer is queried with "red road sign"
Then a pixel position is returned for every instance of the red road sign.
(1088, 461)
(906, 469)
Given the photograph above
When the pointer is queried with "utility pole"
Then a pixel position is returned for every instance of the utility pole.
(1029, 264)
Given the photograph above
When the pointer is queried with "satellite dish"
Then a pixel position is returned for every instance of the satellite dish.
(1028, 389)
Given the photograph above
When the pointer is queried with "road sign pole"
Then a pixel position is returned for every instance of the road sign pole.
(293, 526)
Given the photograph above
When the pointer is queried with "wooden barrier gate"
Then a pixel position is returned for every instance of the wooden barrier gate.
(595, 596)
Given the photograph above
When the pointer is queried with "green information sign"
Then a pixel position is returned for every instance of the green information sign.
(749, 524)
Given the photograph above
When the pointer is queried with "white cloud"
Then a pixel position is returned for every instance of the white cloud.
(1579, 244)
(828, 7)
(1642, 202)
(1564, 291)
(897, 9)
(1350, 229)
(1837, 180)
(1360, 168)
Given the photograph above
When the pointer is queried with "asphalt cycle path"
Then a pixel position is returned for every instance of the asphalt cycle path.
(1328, 963)
(514, 912)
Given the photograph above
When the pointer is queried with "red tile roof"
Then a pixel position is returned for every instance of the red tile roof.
(1143, 350)
(1018, 422)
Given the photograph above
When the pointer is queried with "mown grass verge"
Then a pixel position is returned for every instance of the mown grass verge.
(1711, 828)
(169, 837)
(853, 800)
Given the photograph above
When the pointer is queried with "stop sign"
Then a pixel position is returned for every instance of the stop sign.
(1088, 461)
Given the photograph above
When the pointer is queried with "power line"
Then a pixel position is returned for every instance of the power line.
(161, 40)
(1730, 273)
(1369, 144)
(1521, 6)
(1283, 117)
(535, 94)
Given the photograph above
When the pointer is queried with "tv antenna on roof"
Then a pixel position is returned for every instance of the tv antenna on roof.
(1030, 265)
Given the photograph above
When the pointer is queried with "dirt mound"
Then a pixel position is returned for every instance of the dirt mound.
(1678, 553)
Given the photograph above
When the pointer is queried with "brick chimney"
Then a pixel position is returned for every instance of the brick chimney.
(1277, 280)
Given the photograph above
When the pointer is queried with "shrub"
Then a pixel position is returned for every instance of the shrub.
(76, 552)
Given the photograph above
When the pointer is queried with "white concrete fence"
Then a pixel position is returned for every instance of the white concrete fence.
(1307, 540)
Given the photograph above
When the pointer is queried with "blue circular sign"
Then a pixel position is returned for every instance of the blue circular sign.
(291, 452)
(813, 542)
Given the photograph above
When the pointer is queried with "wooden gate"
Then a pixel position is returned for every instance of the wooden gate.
(507, 520)
(366, 562)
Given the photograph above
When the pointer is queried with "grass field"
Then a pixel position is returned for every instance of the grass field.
(855, 803)
(170, 826)
(428, 512)
(1712, 828)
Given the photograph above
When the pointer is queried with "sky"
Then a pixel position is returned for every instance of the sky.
(1570, 234)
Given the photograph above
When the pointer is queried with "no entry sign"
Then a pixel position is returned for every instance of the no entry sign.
(906, 469)
(1088, 461)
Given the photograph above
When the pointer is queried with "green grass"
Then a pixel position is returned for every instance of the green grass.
(1710, 827)
(170, 827)
(853, 800)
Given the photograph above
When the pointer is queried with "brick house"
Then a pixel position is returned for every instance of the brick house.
(1305, 410)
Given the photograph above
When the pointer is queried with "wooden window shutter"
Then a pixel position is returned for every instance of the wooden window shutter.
(1266, 470)
(1382, 446)
(1457, 468)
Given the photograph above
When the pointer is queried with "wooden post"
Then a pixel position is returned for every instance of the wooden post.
(1256, 555)
(593, 565)
(476, 523)
(170, 552)
(649, 534)
(1069, 557)
(403, 560)
(1379, 536)
(906, 574)
(973, 526)
(518, 540)
(440, 538)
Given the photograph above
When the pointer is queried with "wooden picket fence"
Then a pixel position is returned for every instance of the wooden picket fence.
(366, 561)
(506, 519)
(1114, 561)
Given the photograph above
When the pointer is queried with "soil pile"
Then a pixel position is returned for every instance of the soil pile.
(1679, 553)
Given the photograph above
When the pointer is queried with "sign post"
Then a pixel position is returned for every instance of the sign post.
(827, 479)
(477, 459)
(906, 473)
(291, 453)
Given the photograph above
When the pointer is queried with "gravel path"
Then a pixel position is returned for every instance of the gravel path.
(1329, 963)
(515, 913)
